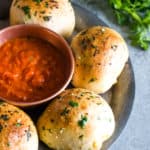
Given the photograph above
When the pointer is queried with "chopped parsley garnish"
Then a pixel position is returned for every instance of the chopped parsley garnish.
(4, 117)
(84, 43)
(109, 120)
(92, 80)
(42, 12)
(94, 46)
(99, 103)
(46, 4)
(18, 124)
(46, 18)
(65, 111)
(26, 10)
(92, 96)
(83, 121)
(82, 94)
(50, 130)
(81, 137)
(8, 144)
(38, 1)
(73, 104)
(1, 127)
(96, 51)
(114, 47)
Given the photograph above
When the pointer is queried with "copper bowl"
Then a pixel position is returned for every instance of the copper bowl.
(53, 38)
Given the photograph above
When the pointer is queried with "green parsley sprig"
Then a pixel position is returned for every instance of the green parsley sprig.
(136, 15)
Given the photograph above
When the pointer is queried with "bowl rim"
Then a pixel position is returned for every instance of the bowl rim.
(70, 58)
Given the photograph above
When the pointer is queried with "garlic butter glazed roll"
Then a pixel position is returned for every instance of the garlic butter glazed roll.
(57, 15)
(100, 56)
(17, 131)
(76, 120)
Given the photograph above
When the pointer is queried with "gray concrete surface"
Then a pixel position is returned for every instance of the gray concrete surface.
(136, 135)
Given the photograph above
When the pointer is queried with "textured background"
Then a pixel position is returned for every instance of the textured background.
(136, 135)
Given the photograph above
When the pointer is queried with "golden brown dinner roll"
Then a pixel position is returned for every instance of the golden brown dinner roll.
(57, 15)
(100, 56)
(76, 120)
(17, 131)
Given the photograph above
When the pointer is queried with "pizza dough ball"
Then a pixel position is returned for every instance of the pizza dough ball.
(100, 56)
(57, 15)
(77, 119)
(17, 131)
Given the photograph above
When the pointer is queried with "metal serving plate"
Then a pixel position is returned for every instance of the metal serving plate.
(120, 96)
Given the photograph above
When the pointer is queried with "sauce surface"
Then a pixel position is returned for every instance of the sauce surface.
(30, 69)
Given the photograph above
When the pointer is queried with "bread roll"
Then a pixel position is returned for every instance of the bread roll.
(17, 131)
(100, 56)
(76, 120)
(57, 15)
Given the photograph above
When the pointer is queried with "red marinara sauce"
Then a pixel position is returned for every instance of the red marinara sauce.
(30, 69)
